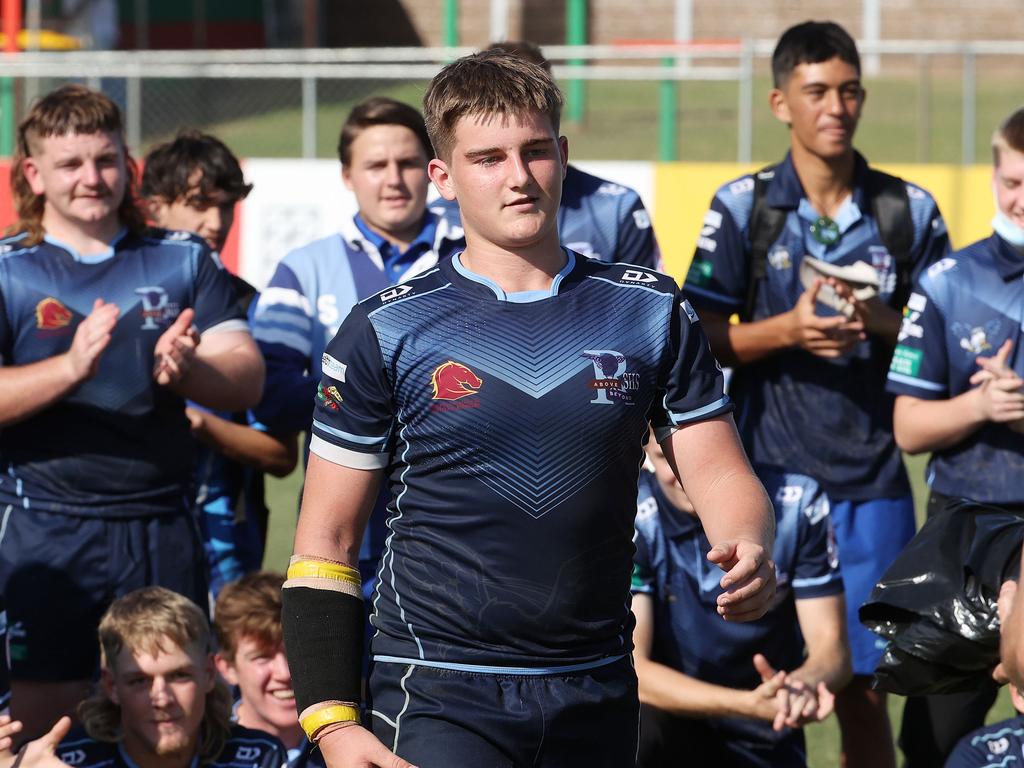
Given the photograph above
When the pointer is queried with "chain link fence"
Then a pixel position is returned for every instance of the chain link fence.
(932, 102)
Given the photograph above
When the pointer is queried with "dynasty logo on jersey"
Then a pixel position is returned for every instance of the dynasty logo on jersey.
(51, 315)
(454, 381)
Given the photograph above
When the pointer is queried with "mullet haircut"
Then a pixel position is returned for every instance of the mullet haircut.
(151, 620)
(812, 43)
(249, 607)
(169, 168)
(69, 110)
(380, 110)
(486, 84)
(1009, 135)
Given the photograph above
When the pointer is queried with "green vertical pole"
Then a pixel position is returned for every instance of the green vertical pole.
(668, 93)
(11, 26)
(451, 23)
(576, 34)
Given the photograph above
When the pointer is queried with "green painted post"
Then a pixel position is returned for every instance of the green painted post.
(576, 34)
(451, 23)
(6, 117)
(669, 94)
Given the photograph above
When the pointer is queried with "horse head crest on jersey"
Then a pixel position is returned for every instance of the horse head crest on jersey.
(452, 381)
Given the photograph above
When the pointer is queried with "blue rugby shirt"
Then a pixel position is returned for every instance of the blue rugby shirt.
(511, 428)
(830, 419)
(963, 307)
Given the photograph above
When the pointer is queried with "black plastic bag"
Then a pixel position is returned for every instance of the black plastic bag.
(937, 602)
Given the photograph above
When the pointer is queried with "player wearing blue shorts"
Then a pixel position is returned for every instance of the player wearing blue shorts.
(105, 329)
(598, 218)
(709, 689)
(193, 183)
(957, 372)
(504, 398)
(819, 292)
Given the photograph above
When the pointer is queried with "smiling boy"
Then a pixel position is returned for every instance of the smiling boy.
(105, 329)
(506, 394)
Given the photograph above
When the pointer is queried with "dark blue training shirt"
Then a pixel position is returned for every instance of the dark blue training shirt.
(598, 218)
(511, 428)
(1000, 745)
(965, 307)
(830, 419)
(119, 444)
(245, 748)
(671, 566)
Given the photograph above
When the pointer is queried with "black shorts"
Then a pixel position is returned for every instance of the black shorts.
(58, 574)
(438, 718)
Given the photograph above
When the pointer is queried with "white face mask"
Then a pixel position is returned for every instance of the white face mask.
(1004, 226)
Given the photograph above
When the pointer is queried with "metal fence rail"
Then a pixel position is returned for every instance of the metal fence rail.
(300, 95)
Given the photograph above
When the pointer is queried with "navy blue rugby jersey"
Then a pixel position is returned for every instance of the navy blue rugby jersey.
(245, 748)
(964, 307)
(512, 428)
(830, 419)
(671, 566)
(119, 444)
(598, 218)
(999, 745)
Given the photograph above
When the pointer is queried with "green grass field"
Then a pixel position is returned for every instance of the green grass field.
(905, 119)
(822, 739)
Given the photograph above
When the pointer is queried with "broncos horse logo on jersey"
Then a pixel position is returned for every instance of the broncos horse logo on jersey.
(453, 381)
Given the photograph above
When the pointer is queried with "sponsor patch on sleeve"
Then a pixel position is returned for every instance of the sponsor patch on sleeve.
(690, 312)
(333, 367)
(906, 361)
(917, 302)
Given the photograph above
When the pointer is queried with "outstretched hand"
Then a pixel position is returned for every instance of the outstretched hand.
(92, 336)
(39, 753)
(749, 580)
(175, 350)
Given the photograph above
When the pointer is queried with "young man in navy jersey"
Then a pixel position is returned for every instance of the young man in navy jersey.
(193, 183)
(505, 394)
(958, 374)
(809, 354)
(105, 329)
(598, 218)
(714, 694)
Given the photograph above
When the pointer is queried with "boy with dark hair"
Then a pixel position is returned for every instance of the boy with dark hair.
(599, 218)
(105, 330)
(193, 184)
(251, 656)
(508, 406)
(817, 255)
(958, 374)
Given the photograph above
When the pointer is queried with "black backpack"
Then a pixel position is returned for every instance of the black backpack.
(889, 205)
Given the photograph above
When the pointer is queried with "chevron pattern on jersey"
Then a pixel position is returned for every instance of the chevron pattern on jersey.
(536, 438)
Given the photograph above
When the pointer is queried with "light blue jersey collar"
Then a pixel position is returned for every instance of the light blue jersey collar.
(92, 258)
(519, 297)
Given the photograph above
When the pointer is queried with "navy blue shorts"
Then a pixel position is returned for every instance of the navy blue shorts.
(59, 573)
(869, 534)
(439, 718)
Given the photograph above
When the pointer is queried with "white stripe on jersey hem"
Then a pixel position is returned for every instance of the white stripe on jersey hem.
(405, 706)
(229, 325)
(815, 581)
(385, 718)
(494, 670)
(683, 418)
(344, 457)
(901, 378)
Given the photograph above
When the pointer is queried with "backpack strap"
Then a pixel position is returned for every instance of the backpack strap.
(890, 206)
(766, 225)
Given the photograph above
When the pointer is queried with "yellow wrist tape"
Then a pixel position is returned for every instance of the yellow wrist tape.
(306, 568)
(319, 719)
